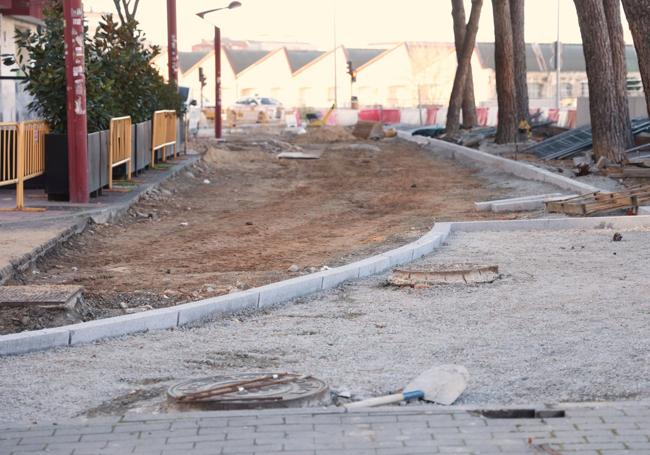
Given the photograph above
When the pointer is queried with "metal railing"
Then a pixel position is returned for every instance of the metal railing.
(163, 134)
(22, 155)
(8, 153)
(119, 147)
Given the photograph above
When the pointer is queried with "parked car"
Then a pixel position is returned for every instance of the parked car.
(257, 109)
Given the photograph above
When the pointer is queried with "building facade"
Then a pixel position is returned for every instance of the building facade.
(15, 16)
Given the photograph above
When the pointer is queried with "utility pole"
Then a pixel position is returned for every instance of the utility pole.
(172, 42)
(75, 73)
(336, 83)
(218, 131)
(558, 59)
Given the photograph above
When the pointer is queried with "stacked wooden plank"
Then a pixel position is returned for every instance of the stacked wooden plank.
(600, 202)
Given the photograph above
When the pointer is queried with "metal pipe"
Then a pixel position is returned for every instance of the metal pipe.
(76, 101)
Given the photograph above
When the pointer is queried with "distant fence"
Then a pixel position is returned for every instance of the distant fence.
(119, 146)
(22, 154)
(163, 134)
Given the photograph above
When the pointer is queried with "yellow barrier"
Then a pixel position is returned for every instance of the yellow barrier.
(163, 134)
(119, 146)
(8, 153)
(22, 155)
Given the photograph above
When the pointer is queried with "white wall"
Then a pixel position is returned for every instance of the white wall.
(269, 77)
(13, 98)
(637, 103)
(228, 83)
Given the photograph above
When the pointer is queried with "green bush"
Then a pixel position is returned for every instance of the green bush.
(120, 79)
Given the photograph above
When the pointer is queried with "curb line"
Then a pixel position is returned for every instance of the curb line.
(518, 168)
(284, 291)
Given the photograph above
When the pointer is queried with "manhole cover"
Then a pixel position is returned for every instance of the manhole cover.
(250, 391)
(43, 296)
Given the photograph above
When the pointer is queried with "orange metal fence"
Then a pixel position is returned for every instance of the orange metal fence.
(22, 154)
(119, 146)
(163, 134)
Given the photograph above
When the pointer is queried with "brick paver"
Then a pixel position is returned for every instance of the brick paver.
(604, 429)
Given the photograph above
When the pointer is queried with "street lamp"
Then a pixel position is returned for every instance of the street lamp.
(217, 58)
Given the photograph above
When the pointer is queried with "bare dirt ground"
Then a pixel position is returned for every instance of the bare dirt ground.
(243, 217)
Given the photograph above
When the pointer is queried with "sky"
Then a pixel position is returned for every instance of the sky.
(358, 22)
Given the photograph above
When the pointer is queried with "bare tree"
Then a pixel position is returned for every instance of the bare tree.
(619, 65)
(610, 136)
(638, 16)
(519, 50)
(460, 27)
(505, 72)
(458, 90)
(126, 9)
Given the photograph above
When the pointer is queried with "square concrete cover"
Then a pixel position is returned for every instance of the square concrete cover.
(46, 295)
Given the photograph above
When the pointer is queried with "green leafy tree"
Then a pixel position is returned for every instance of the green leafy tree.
(120, 79)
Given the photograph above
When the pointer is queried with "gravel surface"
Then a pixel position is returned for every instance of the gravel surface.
(567, 321)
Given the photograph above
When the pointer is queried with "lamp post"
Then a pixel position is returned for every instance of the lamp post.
(217, 59)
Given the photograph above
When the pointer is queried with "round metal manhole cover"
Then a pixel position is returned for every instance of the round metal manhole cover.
(250, 391)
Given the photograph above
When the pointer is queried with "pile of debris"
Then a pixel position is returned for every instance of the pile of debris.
(601, 202)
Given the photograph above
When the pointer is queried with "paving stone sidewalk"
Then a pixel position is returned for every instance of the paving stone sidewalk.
(607, 429)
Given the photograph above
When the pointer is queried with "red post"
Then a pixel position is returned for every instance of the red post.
(76, 101)
(172, 42)
(217, 104)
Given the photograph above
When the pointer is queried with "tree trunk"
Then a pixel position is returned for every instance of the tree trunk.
(519, 48)
(609, 136)
(638, 16)
(505, 72)
(469, 104)
(458, 90)
(619, 65)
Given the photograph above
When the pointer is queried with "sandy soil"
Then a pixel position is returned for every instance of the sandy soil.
(567, 321)
(243, 217)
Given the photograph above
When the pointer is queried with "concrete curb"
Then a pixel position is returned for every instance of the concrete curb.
(80, 221)
(283, 291)
(523, 170)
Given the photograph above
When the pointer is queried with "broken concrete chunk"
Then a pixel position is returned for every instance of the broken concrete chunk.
(444, 274)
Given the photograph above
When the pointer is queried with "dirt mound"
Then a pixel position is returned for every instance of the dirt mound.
(326, 134)
(218, 157)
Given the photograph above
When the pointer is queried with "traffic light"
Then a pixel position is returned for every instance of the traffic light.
(352, 72)
(202, 78)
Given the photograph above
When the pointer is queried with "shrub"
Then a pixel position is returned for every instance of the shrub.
(120, 79)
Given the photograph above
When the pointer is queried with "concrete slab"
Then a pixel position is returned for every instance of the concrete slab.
(486, 206)
(225, 304)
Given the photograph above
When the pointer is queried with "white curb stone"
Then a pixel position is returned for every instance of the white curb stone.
(373, 266)
(332, 278)
(225, 304)
(290, 289)
(518, 168)
(87, 332)
(36, 340)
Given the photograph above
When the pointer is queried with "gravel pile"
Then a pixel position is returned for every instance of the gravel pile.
(567, 321)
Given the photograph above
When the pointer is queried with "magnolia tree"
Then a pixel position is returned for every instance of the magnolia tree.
(120, 78)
